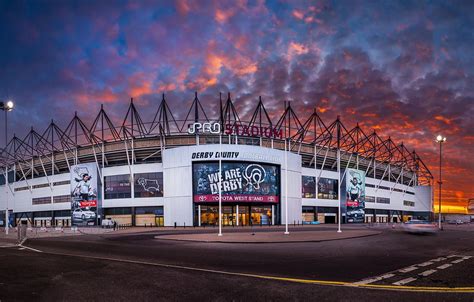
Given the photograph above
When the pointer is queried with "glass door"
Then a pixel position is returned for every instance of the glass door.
(261, 215)
(244, 215)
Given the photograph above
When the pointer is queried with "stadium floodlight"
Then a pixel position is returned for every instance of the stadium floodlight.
(6, 106)
(440, 139)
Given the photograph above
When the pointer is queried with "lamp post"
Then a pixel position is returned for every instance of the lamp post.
(220, 184)
(6, 106)
(440, 139)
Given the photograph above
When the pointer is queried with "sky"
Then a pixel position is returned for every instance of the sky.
(403, 68)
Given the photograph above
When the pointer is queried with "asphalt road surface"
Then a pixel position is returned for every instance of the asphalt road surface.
(392, 266)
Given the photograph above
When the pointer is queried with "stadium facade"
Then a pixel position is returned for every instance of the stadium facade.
(166, 171)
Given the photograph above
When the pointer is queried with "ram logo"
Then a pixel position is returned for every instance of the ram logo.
(254, 175)
(149, 185)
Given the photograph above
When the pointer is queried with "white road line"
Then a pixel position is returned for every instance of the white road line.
(7, 246)
(428, 272)
(438, 259)
(457, 261)
(375, 279)
(404, 281)
(21, 248)
(30, 248)
(444, 266)
(425, 263)
(466, 257)
(451, 256)
(408, 269)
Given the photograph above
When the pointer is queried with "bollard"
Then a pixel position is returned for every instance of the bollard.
(184, 224)
(175, 224)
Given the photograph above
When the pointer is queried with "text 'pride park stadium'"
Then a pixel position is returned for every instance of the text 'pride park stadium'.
(166, 171)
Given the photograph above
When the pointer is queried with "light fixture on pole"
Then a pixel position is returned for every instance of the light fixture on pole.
(6, 106)
(286, 190)
(339, 216)
(440, 139)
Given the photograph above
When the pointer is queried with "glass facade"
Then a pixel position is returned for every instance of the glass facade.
(327, 188)
(308, 186)
(247, 215)
(148, 184)
(117, 186)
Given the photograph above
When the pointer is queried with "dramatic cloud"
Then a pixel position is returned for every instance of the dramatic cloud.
(405, 69)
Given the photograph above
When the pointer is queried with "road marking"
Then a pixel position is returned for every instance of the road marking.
(444, 266)
(458, 261)
(438, 259)
(451, 256)
(408, 269)
(7, 246)
(29, 248)
(404, 281)
(375, 279)
(428, 272)
(425, 263)
(466, 257)
(398, 284)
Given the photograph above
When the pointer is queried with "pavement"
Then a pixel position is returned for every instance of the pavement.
(134, 264)
(271, 237)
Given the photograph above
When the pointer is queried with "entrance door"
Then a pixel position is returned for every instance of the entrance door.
(159, 221)
(244, 215)
(261, 215)
(329, 219)
(228, 215)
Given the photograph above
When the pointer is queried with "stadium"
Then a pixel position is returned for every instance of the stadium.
(165, 172)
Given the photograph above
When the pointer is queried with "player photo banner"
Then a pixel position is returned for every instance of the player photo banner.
(240, 182)
(84, 197)
(354, 196)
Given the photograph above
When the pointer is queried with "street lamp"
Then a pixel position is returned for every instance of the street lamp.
(6, 106)
(440, 139)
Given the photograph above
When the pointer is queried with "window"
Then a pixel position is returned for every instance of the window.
(61, 183)
(61, 198)
(149, 184)
(149, 210)
(117, 186)
(370, 185)
(22, 189)
(41, 200)
(408, 203)
(369, 198)
(327, 188)
(383, 200)
(62, 213)
(40, 186)
(118, 211)
(308, 186)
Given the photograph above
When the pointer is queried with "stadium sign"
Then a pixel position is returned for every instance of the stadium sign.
(235, 129)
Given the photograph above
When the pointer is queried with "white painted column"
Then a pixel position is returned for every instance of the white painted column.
(199, 215)
(237, 214)
(220, 184)
(339, 190)
(286, 191)
(273, 214)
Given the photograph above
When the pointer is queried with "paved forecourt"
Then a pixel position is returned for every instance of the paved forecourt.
(270, 237)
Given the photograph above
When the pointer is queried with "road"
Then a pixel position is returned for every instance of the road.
(122, 267)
